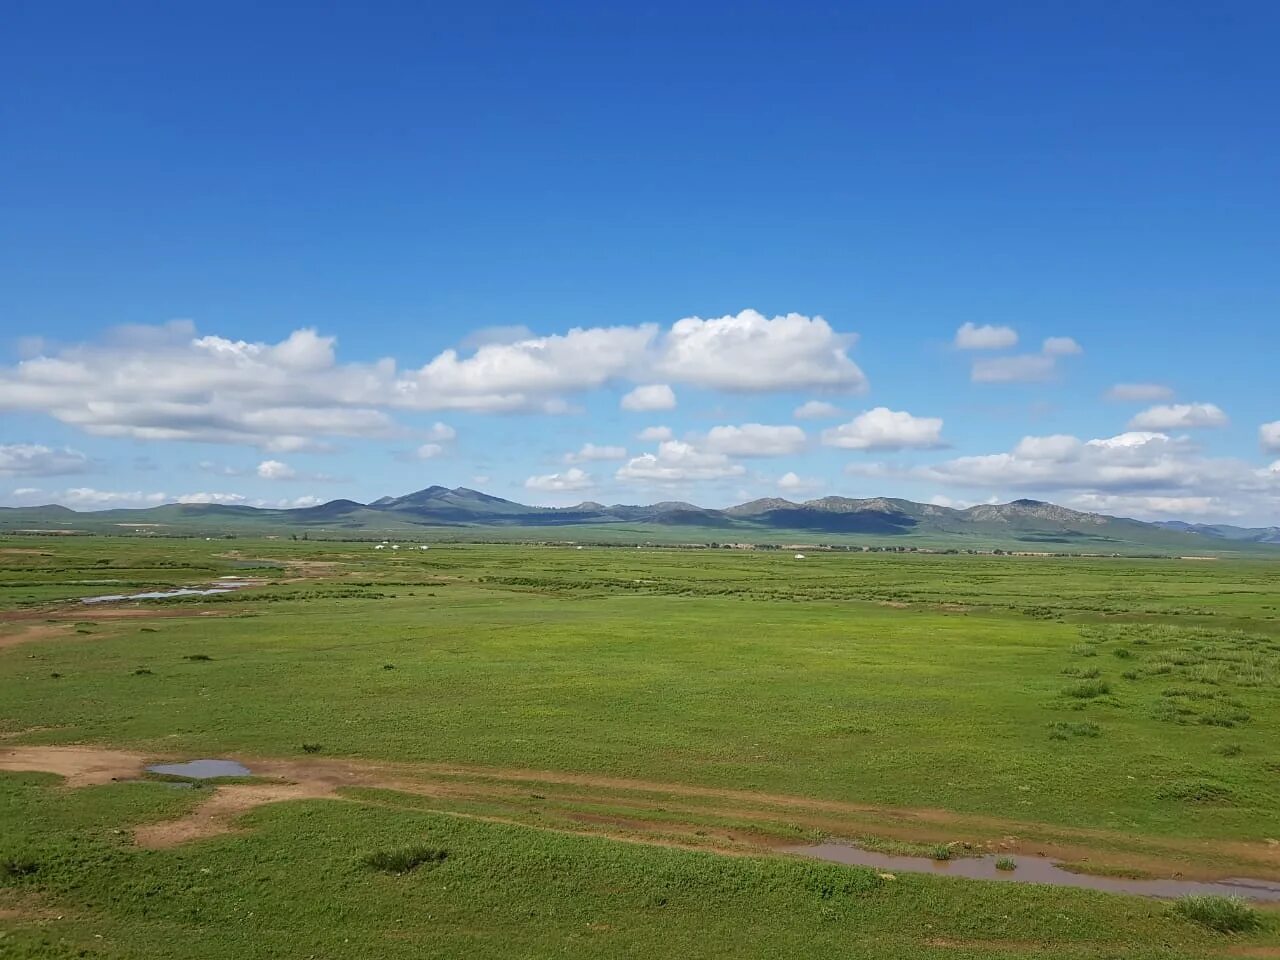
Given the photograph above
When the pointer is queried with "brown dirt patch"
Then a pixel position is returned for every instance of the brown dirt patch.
(999, 946)
(30, 634)
(217, 814)
(80, 766)
(26, 552)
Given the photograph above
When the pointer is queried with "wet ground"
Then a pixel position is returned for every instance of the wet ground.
(223, 586)
(1036, 870)
(202, 769)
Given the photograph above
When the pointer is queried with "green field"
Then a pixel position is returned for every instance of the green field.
(608, 745)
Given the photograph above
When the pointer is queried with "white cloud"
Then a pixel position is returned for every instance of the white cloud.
(223, 498)
(37, 460)
(571, 479)
(1061, 347)
(90, 499)
(275, 470)
(25, 491)
(816, 410)
(1139, 392)
(677, 462)
(440, 433)
(749, 352)
(792, 482)
(1269, 436)
(1179, 416)
(655, 434)
(170, 383)
(1023, 368)
(591, 451)
(1143, 474)
(755, 440)
(885, 429)
(428, 451)
(653, 396)
(986, 337)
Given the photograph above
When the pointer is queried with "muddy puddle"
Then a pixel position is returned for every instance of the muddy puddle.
(202, 769)
(223, 586)
(1037, 870)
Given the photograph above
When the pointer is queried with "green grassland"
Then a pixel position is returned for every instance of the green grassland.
(1130, 705)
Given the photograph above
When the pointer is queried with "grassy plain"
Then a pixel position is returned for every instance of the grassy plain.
(538, 706)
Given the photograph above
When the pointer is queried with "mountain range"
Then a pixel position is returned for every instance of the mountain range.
(461, 514)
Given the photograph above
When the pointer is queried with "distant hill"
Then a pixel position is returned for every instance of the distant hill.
(460, 514)
(1224, 531)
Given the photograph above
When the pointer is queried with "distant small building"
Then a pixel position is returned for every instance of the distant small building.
(799, 556)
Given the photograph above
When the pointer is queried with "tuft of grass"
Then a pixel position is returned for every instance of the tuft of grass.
(142, 672)
(1062, 730)
(1228, 749)
(404, 859)
(312, 747)
(1122, 653)
(15, 867)
(388, 666)
(1222, 914)
(941, 851)
(1084, 650)
(1082, 673)
(1086, 689)
(1006, 863)
(197, 656)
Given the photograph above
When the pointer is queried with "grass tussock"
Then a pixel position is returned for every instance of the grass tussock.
(1221, 914)
(1086, 689)
(405, 859)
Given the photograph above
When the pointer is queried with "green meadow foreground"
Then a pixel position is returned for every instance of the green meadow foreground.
(523, 751)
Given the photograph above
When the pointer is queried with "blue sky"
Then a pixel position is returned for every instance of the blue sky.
(238, 243)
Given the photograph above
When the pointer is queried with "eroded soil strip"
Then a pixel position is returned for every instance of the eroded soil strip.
(624, 809)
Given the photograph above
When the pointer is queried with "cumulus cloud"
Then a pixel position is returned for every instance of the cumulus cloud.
(750, 352)
(171, 383)
(987, 337)
(1026, 367)
(653, 396)
(37, 460)
(1269, 436)
(591, 451)
(1139, 392)
(816, 410)
(654, 434)
(1179, 416)
(440, 433)
(224, 498)
(275, 470)
(87, 498)
(792, 482)
(678, 462)
(1139, 473)
(428, 451)
(571, 479)
(1060, 347)
(885, 429)
(754, 440)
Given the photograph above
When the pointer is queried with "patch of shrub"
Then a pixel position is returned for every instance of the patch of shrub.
(404, 859)
(1122, 653)
(142, 672)
(941, 851)
(312, 747)
(1084, 650)
(1130, 675)
(17, 866)
(1086, 689)
(1221, 914)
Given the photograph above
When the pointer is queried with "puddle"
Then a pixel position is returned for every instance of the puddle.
(1037, 870)
(223, 587)
(202, 769)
